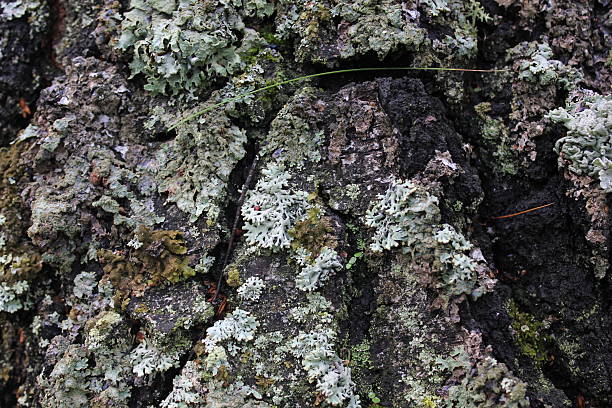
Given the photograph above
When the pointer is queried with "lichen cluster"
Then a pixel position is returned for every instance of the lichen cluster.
(333, 378)
(586, 150)
(407, 216)
(402, 216)
(540, 67)
(293, 137)
(194, 168)
(36, 11)
(182, 46)
(316, 270)
(271, 209)
(376, 28)
(91, 374)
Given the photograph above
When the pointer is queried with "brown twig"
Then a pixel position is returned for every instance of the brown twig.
(228, 252)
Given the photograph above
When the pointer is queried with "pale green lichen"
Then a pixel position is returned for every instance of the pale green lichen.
(118, 179)
(188, 389)
(181, 46)
(53, 209)
(204, 264)
(462, 18)
(16, 9)
(401, 216)
(10, 296)
(84, 283)
(93, 374)
(407, 216)
(322, 364)
(587, 148)
(317, 307)
(474, 379)
(271, 209)
(487, 384)
(147, 359)
(253, 8)
(37, 12)
(459, 263)
(16, 274)
(539, 66)
(434, 7)
(238, 394)
(293, 138)
(29, 132)
(194, 168)
(239, 326)
(368, 27)
(379, 27)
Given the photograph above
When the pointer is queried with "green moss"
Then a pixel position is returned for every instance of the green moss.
(313, 233)
(157, 257)
(12, 176)
(233, 277)
(19, 262)
(528, 333)
(361, 356)
(268, 34)
(429, 402)
(457, 206)
(497, 139)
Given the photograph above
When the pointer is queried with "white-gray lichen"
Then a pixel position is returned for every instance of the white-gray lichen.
(147, 359)
(271, 209)
(251, 289)
(239, 326)
(317, 271)
(292, 138)
(188, 389)
(401, 216)
(322, 364)
(587, 147)
(11, 296)
(407, 216)
(36, 11)
(540, 67)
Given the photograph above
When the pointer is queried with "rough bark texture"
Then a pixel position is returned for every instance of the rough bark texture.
(353, 220)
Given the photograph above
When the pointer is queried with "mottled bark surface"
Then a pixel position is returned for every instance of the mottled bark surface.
(370, 265)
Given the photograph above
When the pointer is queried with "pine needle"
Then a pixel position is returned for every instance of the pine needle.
(320, 74)
(523, 212)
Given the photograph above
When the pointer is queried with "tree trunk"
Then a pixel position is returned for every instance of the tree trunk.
(172, 235)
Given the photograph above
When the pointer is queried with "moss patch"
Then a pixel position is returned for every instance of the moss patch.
(528, 333)
(158, 257)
